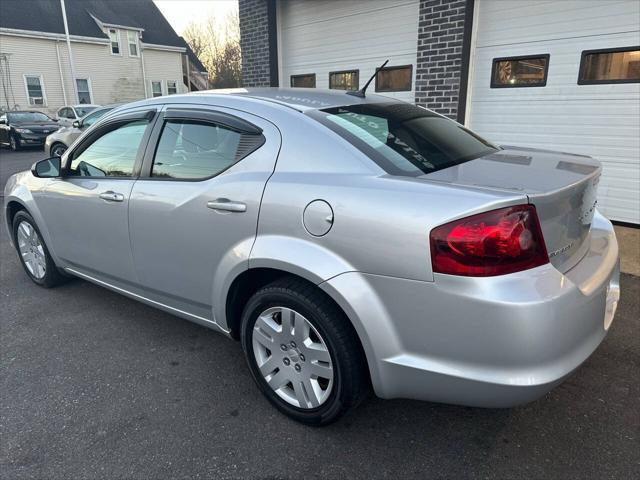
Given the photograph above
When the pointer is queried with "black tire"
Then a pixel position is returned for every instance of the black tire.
(351, 376)
(58, 149)
(52, 276)
(14, 143)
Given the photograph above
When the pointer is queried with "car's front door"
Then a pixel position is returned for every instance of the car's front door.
(194, 210)
(86, 211)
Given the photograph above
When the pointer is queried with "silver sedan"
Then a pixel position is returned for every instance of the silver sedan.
(349, 243)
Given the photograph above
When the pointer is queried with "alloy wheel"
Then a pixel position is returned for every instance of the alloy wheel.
(31, 250)
(292, 357)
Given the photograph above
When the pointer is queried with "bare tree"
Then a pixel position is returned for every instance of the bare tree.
(218, 48)
(194, 36)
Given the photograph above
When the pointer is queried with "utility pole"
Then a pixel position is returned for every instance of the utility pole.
(73, 67)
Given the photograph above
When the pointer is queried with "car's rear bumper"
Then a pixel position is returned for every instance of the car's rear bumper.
(491, 342)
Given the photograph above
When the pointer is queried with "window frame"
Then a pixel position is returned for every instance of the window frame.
(300, 75)
(118, 41)
(396, 67)
(214, 117)
(26, 89)
(90, 90)
(495, 61)
(176, 87)
(356, 71)
(583, 58)
(109, 125)
(135, 42)
(161, 88)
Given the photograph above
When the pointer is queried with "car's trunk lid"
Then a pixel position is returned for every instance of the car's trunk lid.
(562, 187)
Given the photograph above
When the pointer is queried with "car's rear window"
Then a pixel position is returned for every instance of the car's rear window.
(404, 139)
(23, 117)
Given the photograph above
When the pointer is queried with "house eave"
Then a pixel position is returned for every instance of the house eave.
(52, 36)
(167, 48)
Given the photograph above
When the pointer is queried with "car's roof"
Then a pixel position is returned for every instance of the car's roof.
(301, 99)
(81, 105)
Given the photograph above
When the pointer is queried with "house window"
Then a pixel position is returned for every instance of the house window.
(115, 41)
(347, 80)
(172, 87)
(528, 71)
(613, 65)
(132, 38)
(307, 80)
(35, 90)
(394, 79)
(156, 89)
(84, 90)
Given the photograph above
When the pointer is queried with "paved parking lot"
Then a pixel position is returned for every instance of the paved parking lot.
(94, 385)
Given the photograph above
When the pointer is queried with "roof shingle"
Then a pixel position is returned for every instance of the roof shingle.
(46, 16)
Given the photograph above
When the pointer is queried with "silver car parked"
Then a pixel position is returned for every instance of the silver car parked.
(349, 243)
(58, 142)
(70, 113)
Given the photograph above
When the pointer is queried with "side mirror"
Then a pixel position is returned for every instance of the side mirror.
(47, 168)
(3, 121)
(77, 124)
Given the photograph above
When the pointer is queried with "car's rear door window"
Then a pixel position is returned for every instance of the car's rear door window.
(404, 139)
(197, 149)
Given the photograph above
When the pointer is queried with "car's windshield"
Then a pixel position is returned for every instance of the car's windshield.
(95, 116)
(404, 139)
(82, 111)
(23, 117)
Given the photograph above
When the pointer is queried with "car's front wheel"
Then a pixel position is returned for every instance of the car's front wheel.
(58, 150)
(303, 353)
(33, 252)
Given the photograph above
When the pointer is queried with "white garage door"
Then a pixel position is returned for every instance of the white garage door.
(319, 37)
(601, 120)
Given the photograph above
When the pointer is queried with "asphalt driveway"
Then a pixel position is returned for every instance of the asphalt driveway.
(94, 385)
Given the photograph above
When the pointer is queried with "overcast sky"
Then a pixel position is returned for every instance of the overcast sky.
(180, 13)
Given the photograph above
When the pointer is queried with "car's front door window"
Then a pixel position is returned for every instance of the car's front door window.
(113, 154)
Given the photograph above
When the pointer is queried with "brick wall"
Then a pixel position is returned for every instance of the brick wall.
(254, 42)
(439, 69)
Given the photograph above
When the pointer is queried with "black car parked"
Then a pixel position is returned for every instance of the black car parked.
(24, 128)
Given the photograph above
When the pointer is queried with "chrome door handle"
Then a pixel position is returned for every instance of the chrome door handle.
(227, 205)
(112, 196)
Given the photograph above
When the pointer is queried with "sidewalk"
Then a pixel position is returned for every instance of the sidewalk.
(629, 243)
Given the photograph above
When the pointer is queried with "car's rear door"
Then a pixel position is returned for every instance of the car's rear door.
(86, 211)
(194, 210)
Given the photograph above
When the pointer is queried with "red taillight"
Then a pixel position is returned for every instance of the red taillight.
(498, 242)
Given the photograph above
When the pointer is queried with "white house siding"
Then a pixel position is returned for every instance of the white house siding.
(326, 36)
(598, 120)
(31, 57)
(163, 66)
(113, 78)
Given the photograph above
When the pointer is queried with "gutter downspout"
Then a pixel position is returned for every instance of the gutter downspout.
(188, 73)
(64, 90)
(71, 63)
(144, 75)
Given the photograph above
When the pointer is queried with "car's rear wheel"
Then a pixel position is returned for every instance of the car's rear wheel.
(14, 143)
(303, 353)
(33, 252)
(58, 149)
